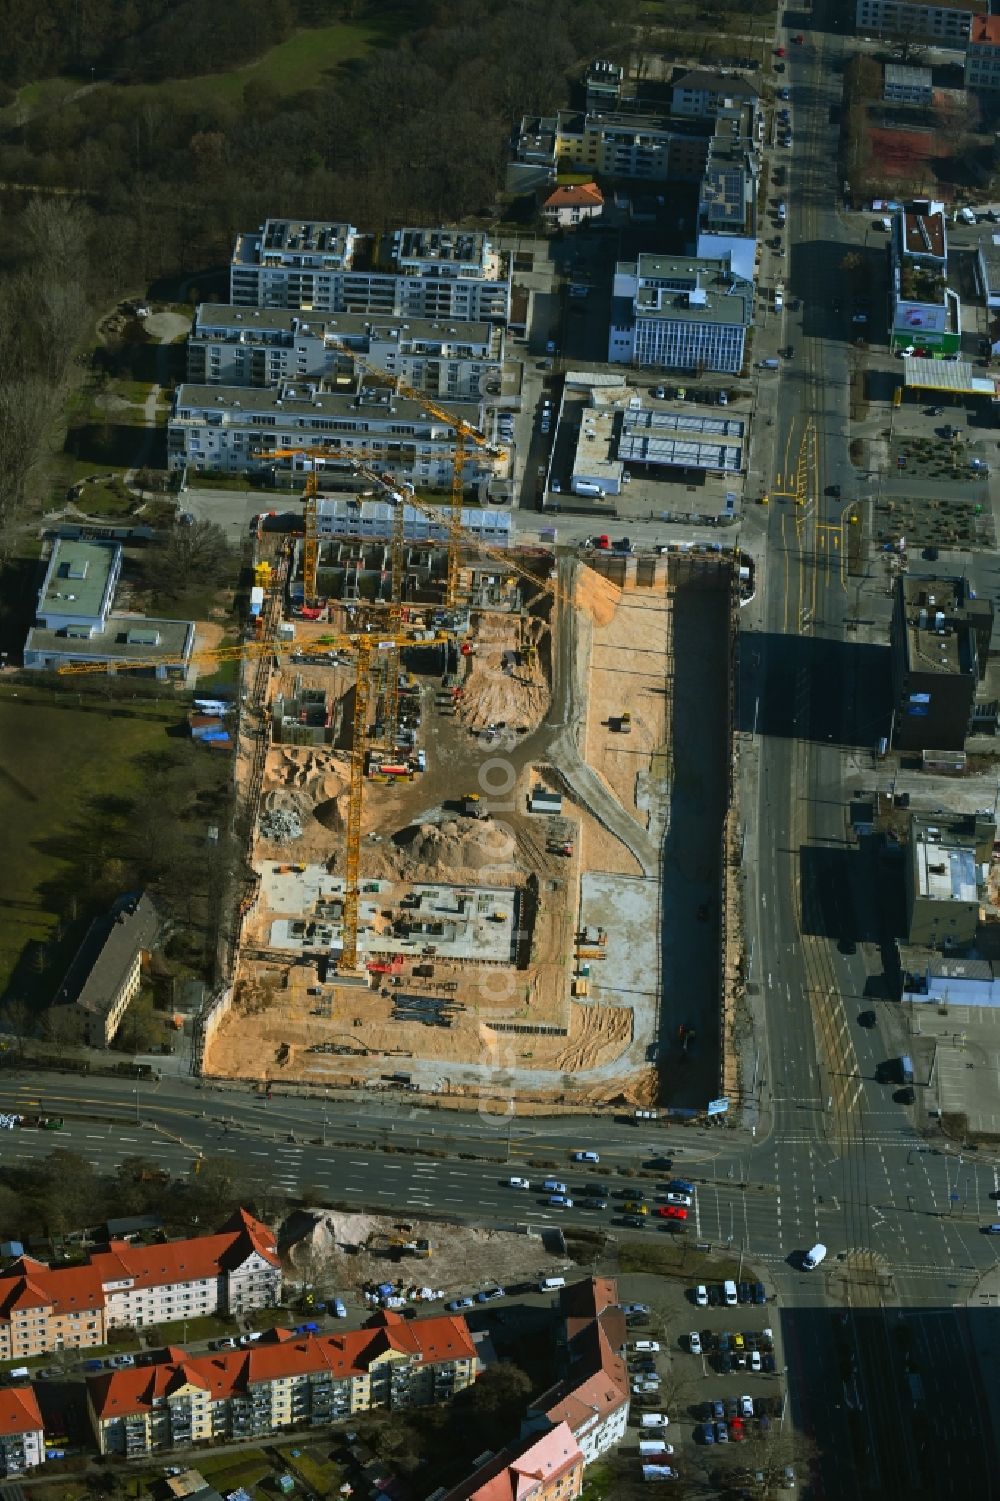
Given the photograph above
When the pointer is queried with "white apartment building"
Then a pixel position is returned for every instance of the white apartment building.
(22, 1435)
(447, 275)
(982, 58)
(685, 313)
(240, 346)
(235, 430)
(939, 23)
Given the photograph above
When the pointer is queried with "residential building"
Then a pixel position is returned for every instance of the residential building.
(926, 313)
(982, 56)
(636, 146)
(907, 85)
(592, 1398)
(106, 974)
(573, 205)
(605, 85)
(547, 1468)
(282, 1381)
(233, 430)
(680, 313)
(75, 619)
(22, 1434)
(371, 520)
(910, 18)
(939, 640)
(46, 1308)
(727, 197)
(447, 275)
(942, 894)
(235, 346)
(700, 94)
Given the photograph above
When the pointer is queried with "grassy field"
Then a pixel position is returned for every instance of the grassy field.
(60, 753)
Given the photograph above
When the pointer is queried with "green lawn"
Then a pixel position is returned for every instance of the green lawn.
(56, 759)
(187, 1331)
(228, 1472)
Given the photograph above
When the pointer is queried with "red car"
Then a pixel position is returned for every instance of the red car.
(779, 51)
(736, 1430)
(672, 1212)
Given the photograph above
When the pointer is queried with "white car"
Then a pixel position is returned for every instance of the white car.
(553, 1186)
(755, 1361)
(586, 1157)
(683, 1199)
(119, 1362)
(645, 1347)
(746, 1407)
(694, 1342)
(701, 1295)
(518, 1183)
(630, 1308)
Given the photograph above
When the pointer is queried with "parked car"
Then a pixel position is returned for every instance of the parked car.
(120, 1362)
(706, 1433)
(458, 1304)
(701, 1295)
(488, 1294)
(759, 1293)
(721, 1433)
(338, 1308)
(694, 1342)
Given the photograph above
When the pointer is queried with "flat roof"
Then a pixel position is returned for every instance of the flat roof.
(447, 246)
(682, 439)
(989, 249)
(950, 375)
(223, 315)
(76, 579)
(945, 872)
(594, 455)
(907, 77)
(175, 639)
(923, 234)
(244, 404)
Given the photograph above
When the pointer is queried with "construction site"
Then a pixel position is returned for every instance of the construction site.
(487, 803)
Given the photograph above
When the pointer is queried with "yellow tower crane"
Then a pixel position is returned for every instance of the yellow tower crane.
(465, 433)
(365, 648)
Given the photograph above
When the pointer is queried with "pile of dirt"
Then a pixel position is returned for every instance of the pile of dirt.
(468, 843)
(597, 595)
(342, 1252)
(505, 682)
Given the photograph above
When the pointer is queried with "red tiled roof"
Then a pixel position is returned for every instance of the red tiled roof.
(577, 195)
(32, 1284)
(986, 31)
(515, 1471)
(597, 1383)
(432, 1341)
(19, 1410)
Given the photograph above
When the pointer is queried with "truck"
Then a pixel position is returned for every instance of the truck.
(256, 600)
(779, 297)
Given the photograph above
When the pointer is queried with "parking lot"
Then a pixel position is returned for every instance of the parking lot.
(715, 1371)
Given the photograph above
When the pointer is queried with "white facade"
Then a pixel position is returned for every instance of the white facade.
(373, 519)
(680, 313)
(21, 1451)
(903, 18)
(982, 59)
(232, 430)
(596, 1435)
(261, 347)
(320, 268)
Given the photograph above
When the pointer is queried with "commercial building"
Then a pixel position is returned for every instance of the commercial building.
(281, 1381)
(907, 85)
(982, 56)
(22, 1434)
(682, 438)
(46, 1308)
(572, 205)
(909, 18)
(939, 640)
(549, 1468)
(680, 313)
(988, 272)
(75, 622)
(942, 894)
(446, 275)
(370, 520)
(701, 94)
(943, 980)
(106, 974)
(592, 1398)
(233, 430)
(236, 346)
(926, 313)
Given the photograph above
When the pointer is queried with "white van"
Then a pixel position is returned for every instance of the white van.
(551, 1284)
(654, 1420)
(650, 1446)
(19, 1373)
(587, 487)
(729, 1291)
(646, 1347)
(812, 1258)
